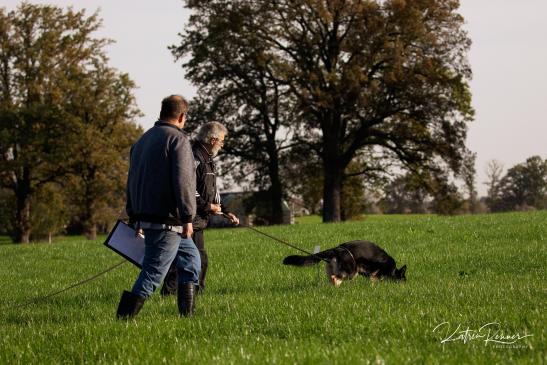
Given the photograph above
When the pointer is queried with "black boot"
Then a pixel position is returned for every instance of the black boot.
(170, 282)
(130, 305)
(185, 296)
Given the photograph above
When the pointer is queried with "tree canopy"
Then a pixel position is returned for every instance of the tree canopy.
(58, 99)
(386, 78)
(236, 85)
(524, 186)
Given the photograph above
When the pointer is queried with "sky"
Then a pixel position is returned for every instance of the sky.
(508, 58)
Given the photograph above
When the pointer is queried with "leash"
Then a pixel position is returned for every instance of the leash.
(94, 277)
(351, 255)
(44, 297)
(280, 240)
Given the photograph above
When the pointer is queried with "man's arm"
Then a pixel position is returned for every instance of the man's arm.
(187, 230)
(128, 205)
(201, 203)
(183, 176)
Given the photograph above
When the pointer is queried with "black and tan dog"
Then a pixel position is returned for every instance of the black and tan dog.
(351, 258)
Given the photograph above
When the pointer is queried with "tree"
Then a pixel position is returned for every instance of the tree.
(49, 214)
(406, 194)
(47, 56)
(525, 185)
(447, 200)
(235, 85)
(468, 173)
(105, 109)
(494, 171)
(7, 207)
(388, 76)
(301, 175)
(353, 198)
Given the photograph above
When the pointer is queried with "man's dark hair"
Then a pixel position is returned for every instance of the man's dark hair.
(172, 107)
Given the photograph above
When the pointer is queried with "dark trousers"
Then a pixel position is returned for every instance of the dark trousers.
(170, 281)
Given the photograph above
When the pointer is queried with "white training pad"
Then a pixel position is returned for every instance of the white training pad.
(123, 241)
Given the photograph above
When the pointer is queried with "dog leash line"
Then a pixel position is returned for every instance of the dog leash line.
(44, 297)
(34, 300)
(285, 243)
(351, 255)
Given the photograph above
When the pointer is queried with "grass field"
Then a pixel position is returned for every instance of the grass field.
(468, 271)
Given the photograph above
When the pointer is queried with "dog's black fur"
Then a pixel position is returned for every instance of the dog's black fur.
(351, 258)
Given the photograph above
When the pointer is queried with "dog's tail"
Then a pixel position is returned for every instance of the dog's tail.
(297, 260)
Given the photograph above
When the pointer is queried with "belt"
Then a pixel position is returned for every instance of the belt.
(159, 227)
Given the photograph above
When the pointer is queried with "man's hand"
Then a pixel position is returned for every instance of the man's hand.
(232, 217)
(139, 233)
(187, 230)
(214, 208)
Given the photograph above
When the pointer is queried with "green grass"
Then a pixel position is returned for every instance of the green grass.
(467, 270)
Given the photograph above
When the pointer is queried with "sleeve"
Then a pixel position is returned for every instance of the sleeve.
(200, 201)
(128, 206)
(224, 208)
(184, 178)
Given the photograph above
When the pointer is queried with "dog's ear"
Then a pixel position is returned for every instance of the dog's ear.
(401, 272)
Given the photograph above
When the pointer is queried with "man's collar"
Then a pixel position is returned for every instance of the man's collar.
(206, 149)
(167, 124)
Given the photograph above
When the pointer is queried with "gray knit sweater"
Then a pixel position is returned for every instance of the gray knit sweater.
(161, 185)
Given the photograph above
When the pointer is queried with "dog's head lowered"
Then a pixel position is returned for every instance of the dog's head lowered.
(400, 274)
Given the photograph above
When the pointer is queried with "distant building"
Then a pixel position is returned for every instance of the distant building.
(252, 208)
(298, 207)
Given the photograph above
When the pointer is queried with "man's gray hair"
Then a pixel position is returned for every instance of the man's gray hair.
(210, 130)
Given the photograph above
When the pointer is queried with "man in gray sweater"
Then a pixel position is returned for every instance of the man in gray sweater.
(161, 202)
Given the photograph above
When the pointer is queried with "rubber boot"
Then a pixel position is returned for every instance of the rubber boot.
(170, 282)
(185, 296)
(200, 288)
(130, 305)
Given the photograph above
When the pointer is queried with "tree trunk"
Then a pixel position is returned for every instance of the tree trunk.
(90, 230)
(332, 191)
(89, 216)
(22, 220)
(22, 225)
(277, 200)
(276, 191)
(333, 169)
(89, 225)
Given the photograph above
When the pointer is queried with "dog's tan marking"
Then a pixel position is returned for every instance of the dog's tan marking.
(335, 281)
(374, 276)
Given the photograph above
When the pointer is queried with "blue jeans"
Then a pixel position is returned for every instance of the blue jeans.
(160, 249)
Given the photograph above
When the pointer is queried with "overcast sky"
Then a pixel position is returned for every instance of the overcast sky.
(508, 57)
